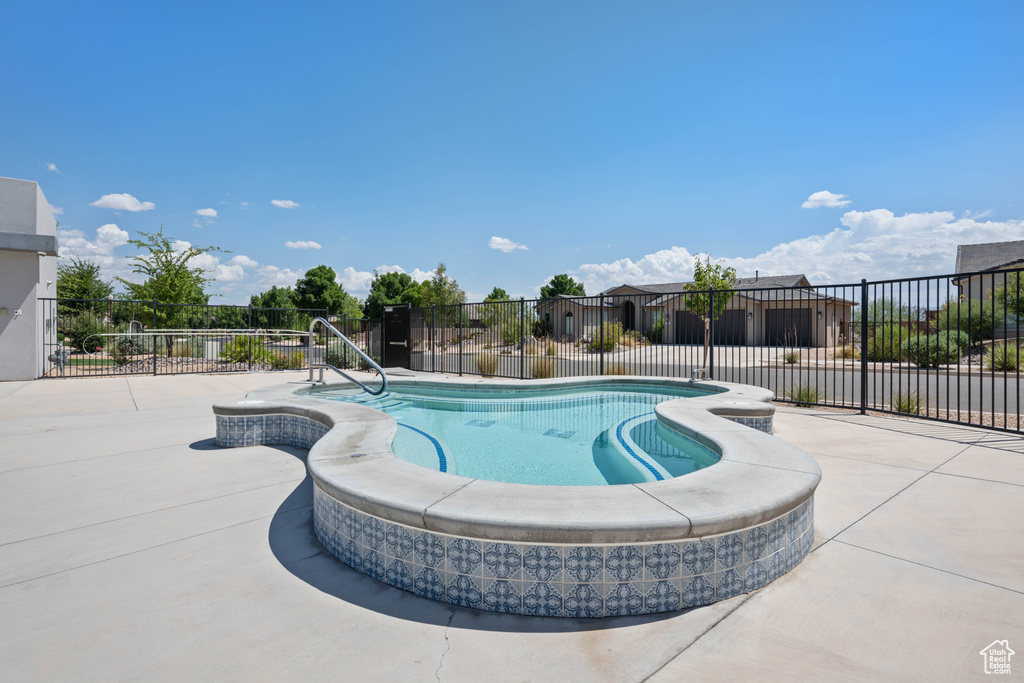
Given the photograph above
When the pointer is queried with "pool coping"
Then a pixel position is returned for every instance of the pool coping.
(759, 478)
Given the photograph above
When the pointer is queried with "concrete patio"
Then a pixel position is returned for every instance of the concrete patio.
(132, 548)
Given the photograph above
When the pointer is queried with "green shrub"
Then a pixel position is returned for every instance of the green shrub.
(933, 350)
(487, 364)
(848, 351)
(540, 328)
(612, 334)
(291, 361)
(551, 349)
(885, 345)
(974, 318)
(79, 327)
(245, 350)
(542, 368)
(363, 365)
(654, 334)
(791, 357)
(908, 403)
(805, 395)
(510, 333)
(1004, 357)
(340, 357)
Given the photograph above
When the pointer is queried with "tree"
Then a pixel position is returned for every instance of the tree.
(318, 289)
(80, 279)
(442, 290)
(391, 288)
(171, 276)
(1006, 296)
(709, 276)
(275, 297)
(562, 284)
(264, 315)
(497, 294)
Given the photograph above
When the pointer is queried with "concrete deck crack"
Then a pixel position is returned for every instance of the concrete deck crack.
(131, 394)
(153, 547)
(929, 566)
(150, 512)
(447, 646)
(699, 636)
(924, 473)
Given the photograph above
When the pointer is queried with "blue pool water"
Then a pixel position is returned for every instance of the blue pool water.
(578, 437)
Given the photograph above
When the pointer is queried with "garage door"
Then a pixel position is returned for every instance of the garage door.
(729, 330)
(788, 327)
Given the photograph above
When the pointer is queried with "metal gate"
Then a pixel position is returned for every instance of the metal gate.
(396, 336)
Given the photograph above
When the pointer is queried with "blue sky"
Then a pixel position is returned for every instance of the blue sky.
(517, 140)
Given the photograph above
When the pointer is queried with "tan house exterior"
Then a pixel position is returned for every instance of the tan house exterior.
(765, 311)
(981, 265)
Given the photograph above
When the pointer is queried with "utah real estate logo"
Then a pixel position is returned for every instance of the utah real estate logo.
(997, 657)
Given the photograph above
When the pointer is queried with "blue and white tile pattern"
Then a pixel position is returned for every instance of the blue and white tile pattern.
(564, 580)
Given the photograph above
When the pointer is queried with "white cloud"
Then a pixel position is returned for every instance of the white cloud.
(227, 273)
(56, 210)
(53, 167)
(270, 276)
(207, 213)
(302, 245)
(825, 199)
(100, 250)
(504, 244)
(283, 203)
(245, 204)
(122, 202)
(355, 282)
(873, 244)
(244, 261)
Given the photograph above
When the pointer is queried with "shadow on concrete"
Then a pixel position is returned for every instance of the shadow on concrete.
(297, 549)
(205, 445)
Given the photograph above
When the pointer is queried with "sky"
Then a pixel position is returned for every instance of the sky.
(514, 141)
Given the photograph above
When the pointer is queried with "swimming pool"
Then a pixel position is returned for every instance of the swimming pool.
(560, 437)
(549, 550)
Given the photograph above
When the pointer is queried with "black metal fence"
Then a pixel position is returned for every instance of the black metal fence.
(941, 347)
(100, 337)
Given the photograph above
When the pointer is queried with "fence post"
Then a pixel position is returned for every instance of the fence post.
(600, 322)
(250, 337)
(154, 339)
(522, 338)
(863, 346)
(711, 334)
(433, 323)
(462, 333)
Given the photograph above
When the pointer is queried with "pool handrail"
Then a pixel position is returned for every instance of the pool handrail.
(369, 361)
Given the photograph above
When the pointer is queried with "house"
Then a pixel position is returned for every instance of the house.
(784, 310)
(980, 266)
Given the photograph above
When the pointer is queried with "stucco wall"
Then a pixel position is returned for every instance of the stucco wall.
(25, 277)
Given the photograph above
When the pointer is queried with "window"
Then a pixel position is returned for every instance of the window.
(568, 323)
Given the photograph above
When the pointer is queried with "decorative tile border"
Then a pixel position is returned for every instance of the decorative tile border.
(258, 430)
(556, 580)
(761, 424)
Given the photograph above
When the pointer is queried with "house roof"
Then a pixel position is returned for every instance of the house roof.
(763, 288)
(971, 258)
(741, 283)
